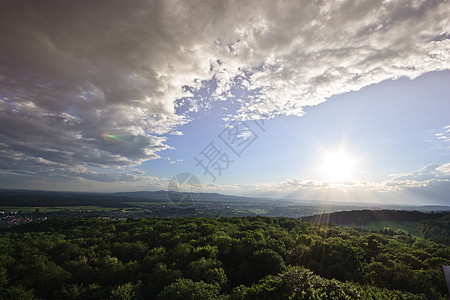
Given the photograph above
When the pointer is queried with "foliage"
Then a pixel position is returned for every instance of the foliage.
(363, 217)
(223, 258)
(186, 289)
(437, 230)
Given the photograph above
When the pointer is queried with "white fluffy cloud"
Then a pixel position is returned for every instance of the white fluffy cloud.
(74, 75)
(430, 182)
(443, 138)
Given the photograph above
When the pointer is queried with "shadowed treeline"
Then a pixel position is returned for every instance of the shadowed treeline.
(363, 217)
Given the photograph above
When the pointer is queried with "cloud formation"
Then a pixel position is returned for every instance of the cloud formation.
(401, 181)
(429, 185)
(72, 72)
(443, 138)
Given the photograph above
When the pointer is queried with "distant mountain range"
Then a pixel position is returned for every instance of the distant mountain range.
(55, 198)
(197, 197)
(35, 198)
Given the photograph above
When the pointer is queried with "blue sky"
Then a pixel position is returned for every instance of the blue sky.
(401, 115)
(388, 128)
(353, 97)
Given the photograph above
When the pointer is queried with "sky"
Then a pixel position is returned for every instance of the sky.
(313, 100)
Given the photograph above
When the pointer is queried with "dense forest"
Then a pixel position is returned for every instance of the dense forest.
(216, 258)
(362, 217)
(437, 230)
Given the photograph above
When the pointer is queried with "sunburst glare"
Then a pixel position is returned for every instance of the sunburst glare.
(338, 166)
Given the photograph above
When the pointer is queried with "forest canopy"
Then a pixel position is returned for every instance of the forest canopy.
(222, 258)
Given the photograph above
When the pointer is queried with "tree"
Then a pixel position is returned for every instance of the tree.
(18, 292)
(186, 289)
(123, 292)
(261, 263)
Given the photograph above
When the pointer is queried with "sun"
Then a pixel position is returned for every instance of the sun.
(338, 166)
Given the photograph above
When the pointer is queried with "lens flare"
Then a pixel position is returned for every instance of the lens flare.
(118, 138)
